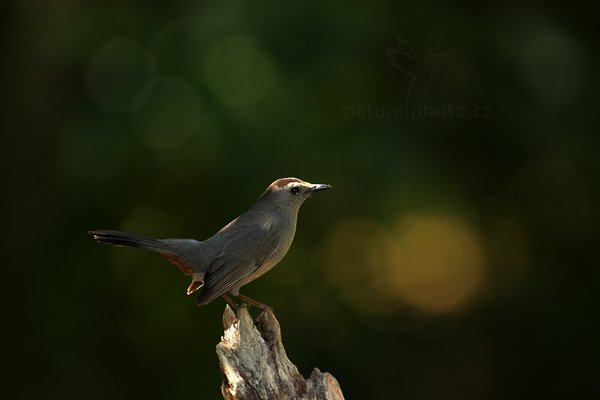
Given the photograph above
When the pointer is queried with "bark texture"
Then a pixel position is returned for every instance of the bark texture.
(255, 366)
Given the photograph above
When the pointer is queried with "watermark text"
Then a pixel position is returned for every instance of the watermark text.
(416, 112)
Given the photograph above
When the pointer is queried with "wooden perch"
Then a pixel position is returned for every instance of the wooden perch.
(255, 366)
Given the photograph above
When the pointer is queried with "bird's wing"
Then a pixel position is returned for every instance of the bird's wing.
(245, 249)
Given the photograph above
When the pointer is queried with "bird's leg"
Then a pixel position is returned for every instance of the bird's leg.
(248, 300)
(234, 306)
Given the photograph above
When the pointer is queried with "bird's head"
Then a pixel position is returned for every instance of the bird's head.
(290, 193)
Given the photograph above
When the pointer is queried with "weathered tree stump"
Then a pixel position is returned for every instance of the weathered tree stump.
(255, 366)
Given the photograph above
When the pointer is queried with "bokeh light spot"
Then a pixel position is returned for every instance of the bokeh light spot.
(238, 70)
(356, 253)
(432, 263)
(438, 262)
(116, 71)
(165, 112)
(551, 65)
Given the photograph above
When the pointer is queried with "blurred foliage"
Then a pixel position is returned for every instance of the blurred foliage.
(457, 256)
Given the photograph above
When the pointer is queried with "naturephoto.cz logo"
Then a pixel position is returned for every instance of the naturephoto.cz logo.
(419, 71)
(416, 112)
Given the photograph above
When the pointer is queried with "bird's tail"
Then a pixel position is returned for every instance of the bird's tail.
(117, 238)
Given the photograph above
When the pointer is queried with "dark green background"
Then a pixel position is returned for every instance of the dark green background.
(170, 118)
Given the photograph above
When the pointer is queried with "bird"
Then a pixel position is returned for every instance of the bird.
(240, 252)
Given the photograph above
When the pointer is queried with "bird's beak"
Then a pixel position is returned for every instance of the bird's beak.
(319, 186)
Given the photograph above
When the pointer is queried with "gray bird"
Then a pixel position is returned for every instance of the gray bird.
(240, 252)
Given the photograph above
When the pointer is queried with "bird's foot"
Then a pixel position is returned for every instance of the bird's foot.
(255, 303)
(263, 307)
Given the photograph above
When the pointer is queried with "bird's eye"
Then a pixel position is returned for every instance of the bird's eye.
(295, 190)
